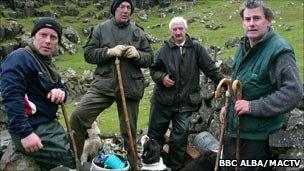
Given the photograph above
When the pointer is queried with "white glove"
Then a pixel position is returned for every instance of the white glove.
(116, 51)
(132, 53)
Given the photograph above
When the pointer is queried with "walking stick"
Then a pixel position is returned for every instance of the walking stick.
(237, 89)
(126, 114)
(223, 125)
(70, 134)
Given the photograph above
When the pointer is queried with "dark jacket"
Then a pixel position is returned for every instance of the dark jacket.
(24, 89)
(184, 67)
(260, 87)
(108, 35)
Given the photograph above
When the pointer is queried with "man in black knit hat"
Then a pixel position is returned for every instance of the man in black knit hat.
(115, 38)
(31, 91)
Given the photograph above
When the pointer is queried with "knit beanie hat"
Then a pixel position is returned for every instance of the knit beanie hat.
(47, 22)
(116, 3)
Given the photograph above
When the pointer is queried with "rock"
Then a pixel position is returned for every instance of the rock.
(213, 26)
(5, 140)
(142, 15)
(13, 160)
(59, 2)
(5, 49)
(71, 10)
(295, 120)
(286, 27)
(301, 104)
(232, 42)
(69, 46)
(291, 138)
(10, 30)
(151, 38)
(71, 34)
(226, 66)
(3, 116)
(86, 31)
(99, 6)
(155, 26)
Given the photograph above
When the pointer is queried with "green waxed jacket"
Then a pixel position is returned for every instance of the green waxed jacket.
(107, 35)
(252, 69)
(183, 65)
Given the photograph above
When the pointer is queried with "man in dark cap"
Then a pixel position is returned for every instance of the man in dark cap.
(115, 38)
(31, 91)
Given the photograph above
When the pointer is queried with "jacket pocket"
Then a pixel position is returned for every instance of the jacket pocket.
(135, 87)
(105, 71)
(195, 99)
(166, 97)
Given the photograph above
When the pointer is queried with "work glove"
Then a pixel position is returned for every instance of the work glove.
(132, 52)
(116, 51)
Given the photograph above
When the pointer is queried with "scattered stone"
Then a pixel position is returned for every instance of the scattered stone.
(71, 34)
(86, 31)
(142, 15)
(155, 26)
(69, 46)
(286, 27)
(232, 42)
(291, 3)
(151, 38)
(213, 26)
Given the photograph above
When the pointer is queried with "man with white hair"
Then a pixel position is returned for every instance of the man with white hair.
(176, 72)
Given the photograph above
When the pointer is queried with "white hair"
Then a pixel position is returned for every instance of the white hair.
(178, 20)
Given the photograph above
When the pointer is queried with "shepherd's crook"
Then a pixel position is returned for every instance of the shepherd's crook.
(70, 134)
(237, 89)
(126, 115)
(217, 93)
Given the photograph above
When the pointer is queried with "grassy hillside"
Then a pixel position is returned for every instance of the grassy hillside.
(219, 11)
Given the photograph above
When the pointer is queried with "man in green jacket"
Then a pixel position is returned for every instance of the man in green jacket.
(176, 72)
(265, 64)
(116, 37)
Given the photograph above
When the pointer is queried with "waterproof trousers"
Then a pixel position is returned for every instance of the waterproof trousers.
(56, 149)
(91, 105)
(249, 150)
(158, 125)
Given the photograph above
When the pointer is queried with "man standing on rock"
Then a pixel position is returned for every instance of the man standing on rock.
(31, 89)
(176, 72)
(115, 38)
(265, 64)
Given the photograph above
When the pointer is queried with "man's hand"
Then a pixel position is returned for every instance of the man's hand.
(132, 53)
(31, 143)
(223, 114)
(116, 51)
(242, 107)
(168, 82)
(56, 95)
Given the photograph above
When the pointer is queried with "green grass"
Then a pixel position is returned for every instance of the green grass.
(214, 10)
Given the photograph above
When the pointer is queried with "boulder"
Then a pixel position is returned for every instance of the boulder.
(14, 160)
